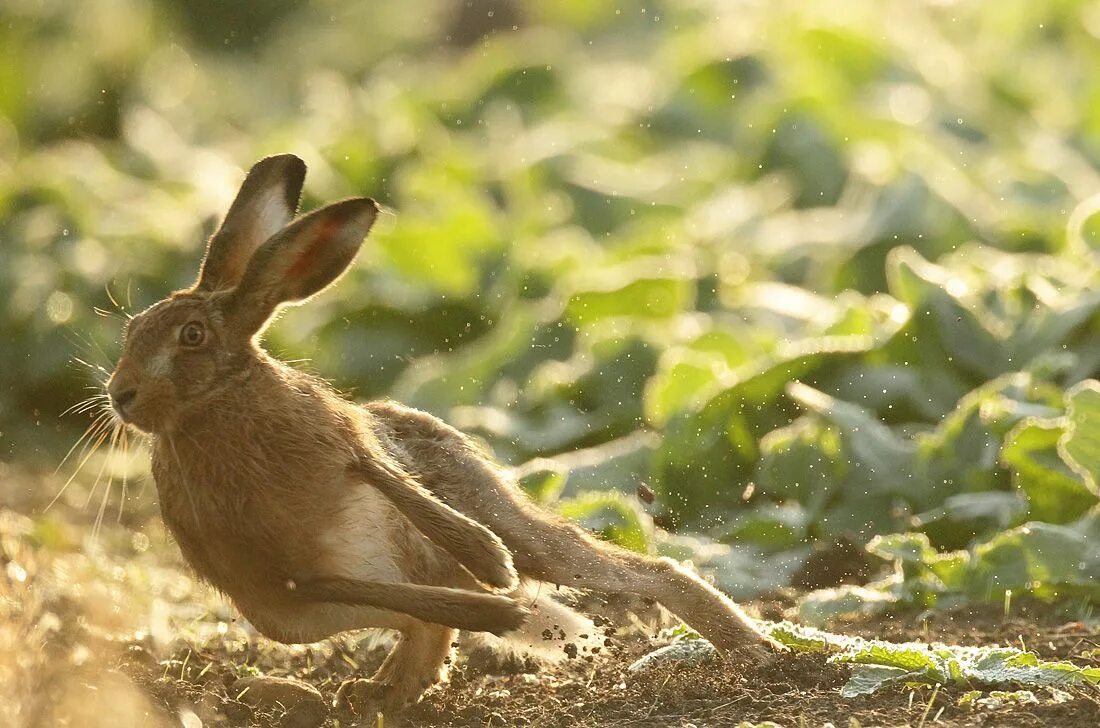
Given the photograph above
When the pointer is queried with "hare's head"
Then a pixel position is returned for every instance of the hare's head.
(184, 350)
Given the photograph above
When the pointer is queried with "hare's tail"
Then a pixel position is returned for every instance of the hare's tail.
(553, 631)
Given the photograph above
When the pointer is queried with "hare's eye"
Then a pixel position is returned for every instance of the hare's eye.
(192, 334)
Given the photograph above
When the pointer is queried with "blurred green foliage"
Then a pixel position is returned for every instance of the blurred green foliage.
(806, 269)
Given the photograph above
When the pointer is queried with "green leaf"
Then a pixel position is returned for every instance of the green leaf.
(880, 462)
(1041, 558)
(1080, 446)
(465, 376)
(914, 659)
(801, 462)
(682, 653)
(904, 547)
(798, 638)
(820, 607)
(613, 516)
(1010, 666)
(1055, 492)
(739, 570)
(866, 679)
(707, 454)
(621, 465)
(770, 525)
(542, 479)
(972, 513)
(683, 379)
(648, 297)
(963, 329)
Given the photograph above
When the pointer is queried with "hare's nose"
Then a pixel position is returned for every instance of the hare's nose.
(123, 398)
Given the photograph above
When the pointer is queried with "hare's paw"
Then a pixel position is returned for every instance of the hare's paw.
(496, 614)
(744, 645)
(489, 560)
(366, 697)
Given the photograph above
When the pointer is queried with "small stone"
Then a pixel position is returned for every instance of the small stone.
(293, 703)
(188, 719)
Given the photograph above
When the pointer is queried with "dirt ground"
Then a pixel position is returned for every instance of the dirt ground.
(199, 683)
(117, 634)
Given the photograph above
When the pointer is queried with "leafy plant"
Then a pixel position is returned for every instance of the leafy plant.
(803, 290)
(877, 663)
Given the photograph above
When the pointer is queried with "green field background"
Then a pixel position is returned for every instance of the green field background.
(809, 271)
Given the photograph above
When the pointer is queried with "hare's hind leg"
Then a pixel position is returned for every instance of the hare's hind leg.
(548, 549)
(416, 662)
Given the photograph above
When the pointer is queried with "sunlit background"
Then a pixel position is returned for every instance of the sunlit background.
(808, 270)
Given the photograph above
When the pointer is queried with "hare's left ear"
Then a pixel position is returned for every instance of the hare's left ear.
(303, 259)
(266, 202)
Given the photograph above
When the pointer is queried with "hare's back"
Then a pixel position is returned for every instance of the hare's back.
(450, 464)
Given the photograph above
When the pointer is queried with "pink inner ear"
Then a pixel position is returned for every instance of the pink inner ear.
(326, 231)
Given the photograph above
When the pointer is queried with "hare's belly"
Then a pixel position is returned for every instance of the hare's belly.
(366, 540)
(363, 541)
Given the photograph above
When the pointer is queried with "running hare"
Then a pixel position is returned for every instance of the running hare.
(316, 515)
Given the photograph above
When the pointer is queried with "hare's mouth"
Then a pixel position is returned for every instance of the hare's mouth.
(128, 410)
(129, 416)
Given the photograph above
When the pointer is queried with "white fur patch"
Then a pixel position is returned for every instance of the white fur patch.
(553, 631)
(270, 214)
(160, 365)
(358, 545)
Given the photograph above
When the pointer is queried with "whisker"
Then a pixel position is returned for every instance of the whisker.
(89, 432)
(107, 314)
(86, 404)
(111, 296)
(89, 346)
(102, 427)
(79, 405)
(125, 473)
(94, 368)
(99, 375)
(113, 434)
(98, 441)
(97, 528)
(144, 484)
(86, 407)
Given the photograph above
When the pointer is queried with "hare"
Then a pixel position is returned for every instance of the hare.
(316, 515)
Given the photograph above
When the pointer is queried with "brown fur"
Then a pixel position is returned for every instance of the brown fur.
(317, 516)
(440, 605)
(477, 548)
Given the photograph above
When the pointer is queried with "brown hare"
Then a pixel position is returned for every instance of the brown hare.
(316, 515)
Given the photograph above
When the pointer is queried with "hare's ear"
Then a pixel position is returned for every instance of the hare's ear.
(266, 202)
(300, 261)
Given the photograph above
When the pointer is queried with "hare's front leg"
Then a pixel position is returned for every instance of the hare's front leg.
(472, 544)
(416, 662)
(440, 605)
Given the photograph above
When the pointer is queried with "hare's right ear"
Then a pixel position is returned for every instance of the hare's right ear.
(299, 261)
(266, 202)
